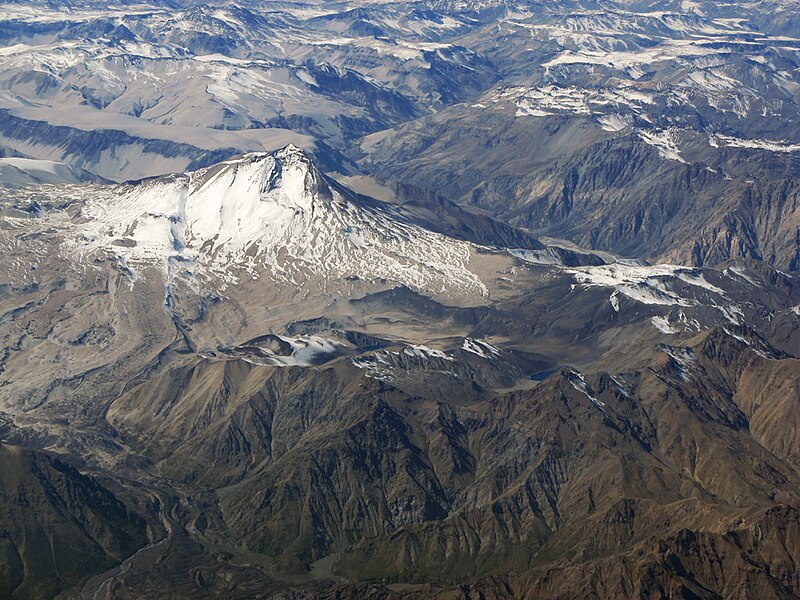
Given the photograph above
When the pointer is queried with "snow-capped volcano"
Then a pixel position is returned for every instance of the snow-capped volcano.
(268, 212)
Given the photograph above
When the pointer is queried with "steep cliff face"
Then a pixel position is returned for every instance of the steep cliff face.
(622, 195)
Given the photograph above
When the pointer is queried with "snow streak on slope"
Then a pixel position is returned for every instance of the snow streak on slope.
(772, 146)
(656, 284)
(664, 142)
(479, 347)
(552, 100)
(271, 211)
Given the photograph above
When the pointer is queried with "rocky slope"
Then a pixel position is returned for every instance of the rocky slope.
(555, 484)
(448, 419)
(58, 527)
(566, 118)
(433, 299)
(564, 176)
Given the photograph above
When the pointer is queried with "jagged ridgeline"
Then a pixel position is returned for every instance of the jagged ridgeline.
(378, 300)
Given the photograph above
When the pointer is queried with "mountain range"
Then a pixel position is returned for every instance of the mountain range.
(372, 299)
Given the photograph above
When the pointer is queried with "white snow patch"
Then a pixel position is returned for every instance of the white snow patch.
(621, 387)
(662, 324)
(377, 366)
(552, 100)
(479, 347)
(546, 256)
(648, 284)
(306, 77)
(621, 60)
(614, 300)
(306, 350)
(402, 50)
(664, 141)
(731, 312)
(741, 274)
(684, 359)
(734, 142)
(641, 283)
(579, 383)
(426, 353)
(615, 122)
(699, 280)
